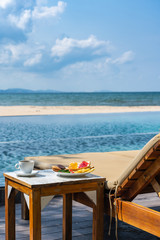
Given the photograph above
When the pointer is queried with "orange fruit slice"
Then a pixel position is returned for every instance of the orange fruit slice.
(73, 165)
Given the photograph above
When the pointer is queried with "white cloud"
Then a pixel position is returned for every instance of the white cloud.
(11, 53)
(21, 55)
(125, 58)
(36, 57)
(22, 20)
(38, 12)
(32, 61)
(16, 51)
(41, 12)
(68, 51)
(5, 3)
(67, 45)
(20, 52)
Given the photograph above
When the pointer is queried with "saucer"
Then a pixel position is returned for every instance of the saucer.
(22, 174)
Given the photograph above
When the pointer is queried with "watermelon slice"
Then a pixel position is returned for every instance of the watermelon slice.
(84, 164)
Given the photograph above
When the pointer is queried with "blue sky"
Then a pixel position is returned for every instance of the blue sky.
(80, 45)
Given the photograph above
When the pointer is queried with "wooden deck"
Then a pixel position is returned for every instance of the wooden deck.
(82, 222)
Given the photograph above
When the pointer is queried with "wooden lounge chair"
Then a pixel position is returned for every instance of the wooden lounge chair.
(128, 174)
(141, 176)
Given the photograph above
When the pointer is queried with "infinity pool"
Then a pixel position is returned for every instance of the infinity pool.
(62, 134)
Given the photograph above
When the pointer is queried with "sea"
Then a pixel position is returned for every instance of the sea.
(24, 136)
(82, 99)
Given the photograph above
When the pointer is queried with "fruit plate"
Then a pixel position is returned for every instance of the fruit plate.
(63, 174)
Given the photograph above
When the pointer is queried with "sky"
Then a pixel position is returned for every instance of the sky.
(80, 45)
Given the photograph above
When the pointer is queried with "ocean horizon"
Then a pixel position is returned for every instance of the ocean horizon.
(81, 99)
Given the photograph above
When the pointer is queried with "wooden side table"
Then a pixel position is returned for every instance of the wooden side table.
(47, 183)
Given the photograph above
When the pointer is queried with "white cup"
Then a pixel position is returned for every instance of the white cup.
(25, 166)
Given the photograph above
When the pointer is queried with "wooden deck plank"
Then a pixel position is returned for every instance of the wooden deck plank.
(82, 222)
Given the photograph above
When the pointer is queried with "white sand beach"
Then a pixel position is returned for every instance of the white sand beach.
(55, 110)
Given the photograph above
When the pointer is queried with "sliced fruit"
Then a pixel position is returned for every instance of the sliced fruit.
(84, 164)
(73, 165)
(84, 170)
(91, 170)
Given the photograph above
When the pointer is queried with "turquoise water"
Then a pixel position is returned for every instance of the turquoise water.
(66, 134)
(81, 99)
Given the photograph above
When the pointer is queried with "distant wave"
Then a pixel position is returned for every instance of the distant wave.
(85, 137)
(107, 136)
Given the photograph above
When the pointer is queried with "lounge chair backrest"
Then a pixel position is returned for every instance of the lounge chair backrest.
(138, 158)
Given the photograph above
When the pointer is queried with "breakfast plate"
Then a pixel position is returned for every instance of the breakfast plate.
(63, 174)
(22, 174)
(75, 169)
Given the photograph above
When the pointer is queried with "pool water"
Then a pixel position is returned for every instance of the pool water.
(67, 134)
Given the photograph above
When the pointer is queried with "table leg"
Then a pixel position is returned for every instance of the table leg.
(9, 213)
(98, 214)
(35, 214)
(67, 216)
(24, 208)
